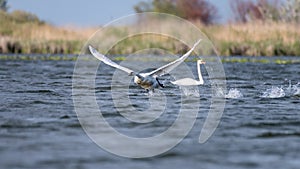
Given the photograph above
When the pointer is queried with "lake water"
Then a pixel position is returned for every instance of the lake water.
(260, 126)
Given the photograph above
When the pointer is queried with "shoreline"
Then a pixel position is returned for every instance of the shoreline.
(285, 60)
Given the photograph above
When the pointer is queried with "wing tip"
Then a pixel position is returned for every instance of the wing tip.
(91, 48)
(197, 43)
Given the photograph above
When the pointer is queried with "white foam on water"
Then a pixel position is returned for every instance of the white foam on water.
(296, 89)
(280, 92)
(233, 93)
(293, 90)
(274, 92)
(218, 92)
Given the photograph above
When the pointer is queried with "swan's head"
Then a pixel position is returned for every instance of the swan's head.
(131, 74)
(201, 61)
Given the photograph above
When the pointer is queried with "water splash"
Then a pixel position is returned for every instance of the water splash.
(296, 89)
(280, 92)
(274, 92)
(190, 91)
(154, 93)
(234, 94)
(218, 92)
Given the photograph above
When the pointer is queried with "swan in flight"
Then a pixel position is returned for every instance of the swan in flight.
(149, 80)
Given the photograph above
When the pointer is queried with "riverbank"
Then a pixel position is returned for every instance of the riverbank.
(252, 39)
(259, 39)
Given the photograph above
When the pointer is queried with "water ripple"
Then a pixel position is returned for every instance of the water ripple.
(278, 134)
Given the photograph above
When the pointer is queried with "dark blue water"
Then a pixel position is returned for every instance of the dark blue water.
(260, 127)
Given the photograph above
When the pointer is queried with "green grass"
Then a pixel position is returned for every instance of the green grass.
(259, 60)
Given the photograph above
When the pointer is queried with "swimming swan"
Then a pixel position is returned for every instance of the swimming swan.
(189, 81)
(149, 80)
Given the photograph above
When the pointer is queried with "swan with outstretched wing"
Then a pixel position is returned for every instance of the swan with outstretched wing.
(149, 80)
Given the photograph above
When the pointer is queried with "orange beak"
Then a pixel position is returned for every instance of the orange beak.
(202, 62)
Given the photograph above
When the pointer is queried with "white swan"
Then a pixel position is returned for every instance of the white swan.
(149, 80)
(189, 81)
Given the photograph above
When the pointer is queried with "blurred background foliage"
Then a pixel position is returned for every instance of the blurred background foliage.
(266, 10)
(257, 27)
(193, 10)
(3, 5)
(243, 10)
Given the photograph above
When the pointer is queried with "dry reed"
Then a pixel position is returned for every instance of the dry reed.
(252, 39)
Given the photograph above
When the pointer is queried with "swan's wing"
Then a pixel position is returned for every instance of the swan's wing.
(170, 66)
(107, 61)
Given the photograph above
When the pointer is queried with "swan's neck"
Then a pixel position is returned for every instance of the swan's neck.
(199, 72)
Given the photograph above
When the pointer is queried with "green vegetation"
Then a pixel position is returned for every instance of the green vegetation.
(46, 57)
(259, 60)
